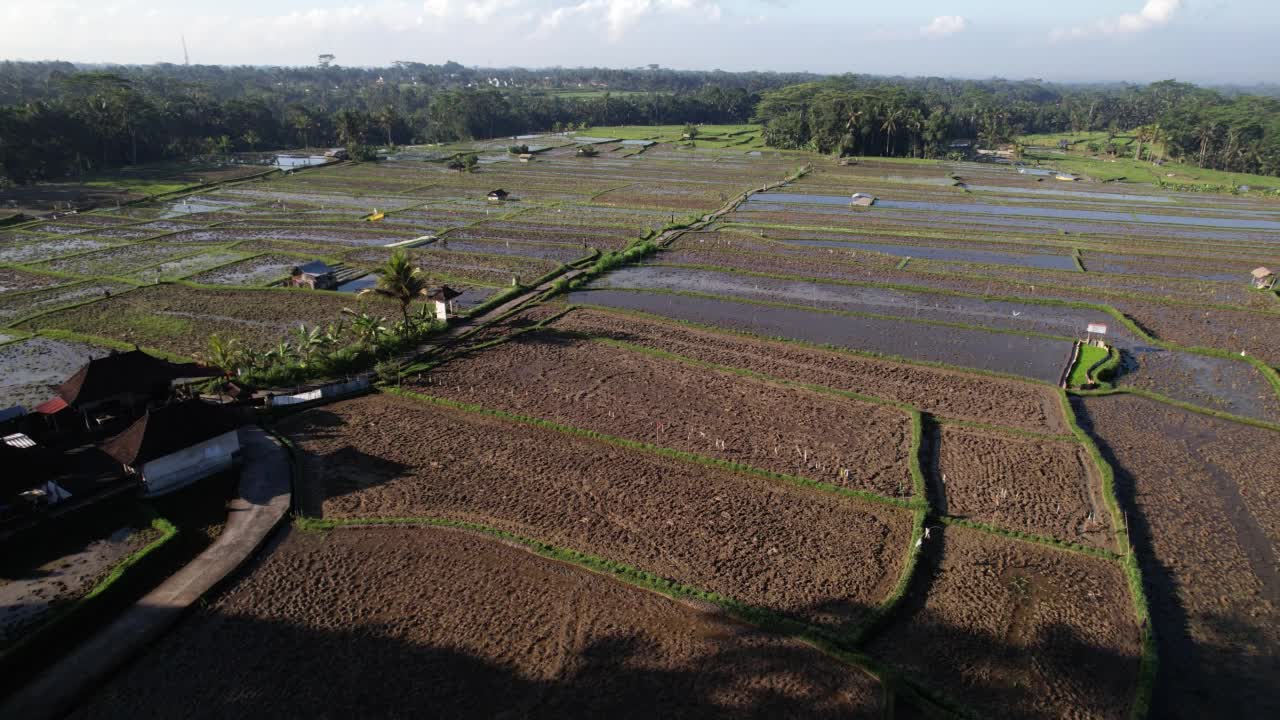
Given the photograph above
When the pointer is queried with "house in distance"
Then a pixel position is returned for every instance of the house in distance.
(1263, 279)
(315, 275)
(498, 195)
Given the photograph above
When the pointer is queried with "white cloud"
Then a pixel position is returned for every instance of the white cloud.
(1153, 14)
(618, 16)
(945, 25)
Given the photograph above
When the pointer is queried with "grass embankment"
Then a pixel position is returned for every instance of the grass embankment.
(1080, 160)
(1089, 356)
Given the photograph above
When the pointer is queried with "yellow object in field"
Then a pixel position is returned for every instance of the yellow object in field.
(375, 215)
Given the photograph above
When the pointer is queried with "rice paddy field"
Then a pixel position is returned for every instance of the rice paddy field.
(801, 458)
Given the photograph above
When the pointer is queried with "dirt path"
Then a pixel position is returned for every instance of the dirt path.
(263, 501)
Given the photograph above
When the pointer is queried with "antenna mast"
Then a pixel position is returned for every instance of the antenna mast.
(186, 59)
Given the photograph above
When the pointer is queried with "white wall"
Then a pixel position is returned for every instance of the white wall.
(177, 470)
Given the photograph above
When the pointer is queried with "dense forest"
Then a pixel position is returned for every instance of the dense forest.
(61, 120)
(860, 115)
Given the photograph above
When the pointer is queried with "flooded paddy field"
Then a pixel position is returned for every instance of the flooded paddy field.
(1018, 317)
(34, 366)
(1033, 357)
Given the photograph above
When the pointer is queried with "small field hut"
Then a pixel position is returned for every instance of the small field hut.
(859, 199)
(315, 275)
(1263, 279)
(174, 446)
(443, 297)
(498, 195)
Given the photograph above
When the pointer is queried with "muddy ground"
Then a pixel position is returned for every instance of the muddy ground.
(808, 553)
(1205, 520)
(34, 366)
(1016, 630)
(943, 392)
(402, 622)
(629, 394)
(34, 581)
(1045, 487)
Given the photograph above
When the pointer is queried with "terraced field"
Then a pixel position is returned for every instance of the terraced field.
(762, 453)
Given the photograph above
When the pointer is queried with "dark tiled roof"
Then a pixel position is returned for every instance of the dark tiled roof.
(315, 267)
(167, 430)
(444, 293)
(134, 371)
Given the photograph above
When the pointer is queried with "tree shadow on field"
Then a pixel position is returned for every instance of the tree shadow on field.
(340, 472)
(1034, 671)
(233, 666)
(353, 658)
(1197, 678)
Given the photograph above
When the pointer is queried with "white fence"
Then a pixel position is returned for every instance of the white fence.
(322, 393)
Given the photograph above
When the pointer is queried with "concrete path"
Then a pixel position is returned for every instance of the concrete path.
(263, 501)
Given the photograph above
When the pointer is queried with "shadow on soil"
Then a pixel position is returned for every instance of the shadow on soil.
(235, 666)
(230, 665)
(1196, 679)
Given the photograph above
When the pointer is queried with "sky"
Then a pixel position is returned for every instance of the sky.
(1205, 41)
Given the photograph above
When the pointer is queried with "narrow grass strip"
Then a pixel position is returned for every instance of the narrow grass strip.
(658, 450)
(87, 606)
(1149, 664)
(885, 610)
(1033, 538)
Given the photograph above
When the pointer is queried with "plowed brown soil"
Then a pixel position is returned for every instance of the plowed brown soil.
(1017, 630)
(1046, 487)
(808, 553)
(436, 623)
(1205, 517)
(935, 390)
(671, 404)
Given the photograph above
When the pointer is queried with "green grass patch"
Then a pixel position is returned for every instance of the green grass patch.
(1089, 356)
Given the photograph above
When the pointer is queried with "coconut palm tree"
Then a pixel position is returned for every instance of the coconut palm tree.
(401, 281)
(387, 118)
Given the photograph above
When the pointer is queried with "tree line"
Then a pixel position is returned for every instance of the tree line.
(60, 120)
(899, 117)
(72, 122)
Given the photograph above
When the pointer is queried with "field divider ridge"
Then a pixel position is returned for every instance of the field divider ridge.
(1149, 664)
(650, 448)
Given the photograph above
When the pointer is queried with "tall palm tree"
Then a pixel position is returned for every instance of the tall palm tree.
(387, 119)
(350, 125)
(401, 281)
(890, 127)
